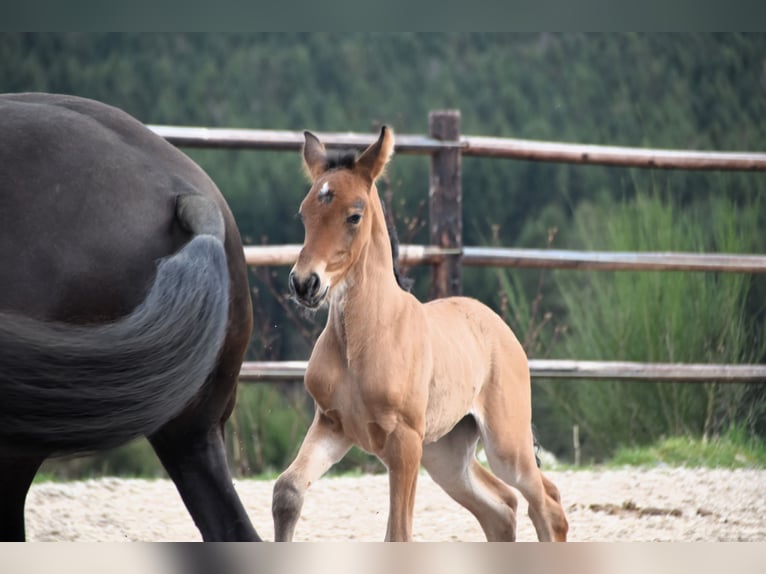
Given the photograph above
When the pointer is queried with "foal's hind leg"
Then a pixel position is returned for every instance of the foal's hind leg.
(510, 452)
(16, 476)
(452, 463)
(324, 445)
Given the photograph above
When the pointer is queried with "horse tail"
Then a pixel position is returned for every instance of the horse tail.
(78, 388)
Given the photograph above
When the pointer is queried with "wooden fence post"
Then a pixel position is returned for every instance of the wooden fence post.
(445, 209)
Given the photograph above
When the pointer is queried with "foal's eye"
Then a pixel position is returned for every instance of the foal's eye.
(354, 219)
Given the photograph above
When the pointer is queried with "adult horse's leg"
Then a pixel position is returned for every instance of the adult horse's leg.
(324, 445)
(452, 463)
(195, 459)
(16, 474)
(192, 449)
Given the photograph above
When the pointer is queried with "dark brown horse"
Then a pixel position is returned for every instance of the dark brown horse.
(124, 304)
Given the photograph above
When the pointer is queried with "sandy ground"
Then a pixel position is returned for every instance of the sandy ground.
(604, 505)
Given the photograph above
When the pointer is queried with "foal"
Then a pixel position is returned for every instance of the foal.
(409, 382)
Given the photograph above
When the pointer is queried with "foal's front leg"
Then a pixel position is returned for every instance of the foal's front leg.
(402, 451)
(324, 445)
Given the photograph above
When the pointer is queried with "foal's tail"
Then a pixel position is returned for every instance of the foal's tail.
(66, 388)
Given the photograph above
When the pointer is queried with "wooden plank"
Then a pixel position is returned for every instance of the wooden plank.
(613, 260)
(562, 369)
(623, 370)
(271, 255)
(272, 371)
(283, 140)
(513, 148)
(265, 255)
(611, 155)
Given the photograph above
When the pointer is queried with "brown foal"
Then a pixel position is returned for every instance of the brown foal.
(412, 383)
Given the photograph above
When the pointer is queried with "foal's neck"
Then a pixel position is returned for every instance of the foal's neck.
(372, 294)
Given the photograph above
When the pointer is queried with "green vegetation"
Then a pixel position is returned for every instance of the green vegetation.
(684, 91)
(659, 317)
(736, 448)
(266, 428)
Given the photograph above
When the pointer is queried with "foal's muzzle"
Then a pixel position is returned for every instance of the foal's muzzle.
(307, 290)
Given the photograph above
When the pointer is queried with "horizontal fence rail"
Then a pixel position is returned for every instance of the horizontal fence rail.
(472, 146)
(613, 260)
(612, 155)
(268, 255)
(451, 254)
(277, 140)
(277, 371)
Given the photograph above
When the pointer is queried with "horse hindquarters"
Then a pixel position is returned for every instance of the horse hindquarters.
(73, 388)
(90, 200)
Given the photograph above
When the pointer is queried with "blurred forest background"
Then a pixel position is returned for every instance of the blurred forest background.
(700, 92)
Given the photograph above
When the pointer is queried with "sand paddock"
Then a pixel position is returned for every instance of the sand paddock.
(602, 505)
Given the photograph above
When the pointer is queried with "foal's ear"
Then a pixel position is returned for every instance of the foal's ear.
(374, 158)
(314, 156)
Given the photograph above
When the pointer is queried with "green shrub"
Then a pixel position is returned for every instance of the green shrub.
(649, 316)
(657, 316)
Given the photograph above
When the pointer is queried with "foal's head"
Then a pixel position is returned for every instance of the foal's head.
(337, 215)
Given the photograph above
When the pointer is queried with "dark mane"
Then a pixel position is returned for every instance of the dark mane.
(403, 282)
(340, 159)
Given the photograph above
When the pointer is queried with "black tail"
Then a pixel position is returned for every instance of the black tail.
(67, 389)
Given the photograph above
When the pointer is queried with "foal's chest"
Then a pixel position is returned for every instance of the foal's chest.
(328, 377)
(340, 397)
(331, 388)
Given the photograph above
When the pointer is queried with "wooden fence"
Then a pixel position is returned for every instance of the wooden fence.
(446, 253)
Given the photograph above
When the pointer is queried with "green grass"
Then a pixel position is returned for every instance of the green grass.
(734, 449)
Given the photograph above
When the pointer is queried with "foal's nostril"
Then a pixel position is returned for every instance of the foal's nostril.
(312, 285)
(305, 290)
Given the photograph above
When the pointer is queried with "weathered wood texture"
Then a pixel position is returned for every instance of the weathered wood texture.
(613, 260)
(268, 255)
(277, 371)
(612, 155)
(557, 152)
(275, 255)
(445, 214)
(283, 140)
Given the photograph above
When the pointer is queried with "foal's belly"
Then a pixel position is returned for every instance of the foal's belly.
(450, 399)
(461, 363)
